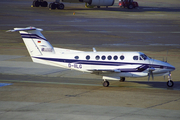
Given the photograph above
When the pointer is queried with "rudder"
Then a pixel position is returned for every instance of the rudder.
(35, 42)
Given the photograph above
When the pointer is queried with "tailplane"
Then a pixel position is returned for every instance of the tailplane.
(35, 42)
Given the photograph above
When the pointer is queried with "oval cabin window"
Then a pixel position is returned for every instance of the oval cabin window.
(103, 57)
(122, 57)
(87, 57)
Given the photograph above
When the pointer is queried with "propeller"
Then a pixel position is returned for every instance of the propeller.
(150, 70)
(150, 73)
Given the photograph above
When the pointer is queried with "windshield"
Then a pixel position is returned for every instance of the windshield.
(143, 56)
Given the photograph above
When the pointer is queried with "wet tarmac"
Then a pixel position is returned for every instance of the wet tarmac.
(34, 91)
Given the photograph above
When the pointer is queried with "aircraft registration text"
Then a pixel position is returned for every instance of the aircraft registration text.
(77, 66)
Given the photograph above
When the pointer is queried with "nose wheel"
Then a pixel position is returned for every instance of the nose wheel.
(170, 83)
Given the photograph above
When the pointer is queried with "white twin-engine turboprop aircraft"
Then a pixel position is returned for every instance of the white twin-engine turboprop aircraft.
(110, 65)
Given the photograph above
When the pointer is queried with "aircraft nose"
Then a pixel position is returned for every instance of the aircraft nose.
(173, 68)
(170, 67)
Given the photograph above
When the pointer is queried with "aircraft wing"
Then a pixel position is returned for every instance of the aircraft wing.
(95, 71)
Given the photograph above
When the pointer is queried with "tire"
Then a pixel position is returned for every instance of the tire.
(60, 6)
(106, 83)
(44, 4)
(170, 83)
(36, 3)
(52, 6)
(130, 6)
(122, 79)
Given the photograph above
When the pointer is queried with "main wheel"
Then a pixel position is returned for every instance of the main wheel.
(60, 6)
(106, 83)
(122, 79)
(52, 6)
(44, 4)
(170, 83)
(36, 3)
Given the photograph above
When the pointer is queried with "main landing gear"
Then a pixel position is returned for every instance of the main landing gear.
(170, 83)
(106, 83)
(38, 3)
(57, 5)
(52, 6)
(122, 79)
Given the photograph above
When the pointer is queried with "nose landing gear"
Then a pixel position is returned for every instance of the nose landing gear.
(170, 83)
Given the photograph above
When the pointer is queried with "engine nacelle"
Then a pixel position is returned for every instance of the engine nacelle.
(99, 2)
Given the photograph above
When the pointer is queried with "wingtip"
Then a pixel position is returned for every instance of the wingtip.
(10, 31)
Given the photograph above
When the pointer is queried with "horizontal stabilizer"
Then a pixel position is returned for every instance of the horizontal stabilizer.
(24, 29)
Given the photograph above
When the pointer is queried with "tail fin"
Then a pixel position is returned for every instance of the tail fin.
(35, 42)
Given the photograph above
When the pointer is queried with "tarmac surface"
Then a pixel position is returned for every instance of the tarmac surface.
(34, 91)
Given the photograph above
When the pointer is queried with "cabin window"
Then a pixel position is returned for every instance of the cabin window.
(87, 57)
(115, 57)
(135, 57)
(103, 57)
(122, 57)
(109, 57)
(97, 57)
(76, 57)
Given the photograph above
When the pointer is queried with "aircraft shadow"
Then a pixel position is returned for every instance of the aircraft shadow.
(156, 84)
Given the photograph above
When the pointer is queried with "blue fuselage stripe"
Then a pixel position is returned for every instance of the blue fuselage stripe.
(141, 68)
(88, 62)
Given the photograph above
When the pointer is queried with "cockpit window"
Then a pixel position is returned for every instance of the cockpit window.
(135, 57)
(143, 56)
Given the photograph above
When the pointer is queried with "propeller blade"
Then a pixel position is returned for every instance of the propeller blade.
(148, 76)
(152, 75)
(151, 69)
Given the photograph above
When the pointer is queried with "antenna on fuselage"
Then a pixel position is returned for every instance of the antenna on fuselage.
(94, 49)
(166, 55)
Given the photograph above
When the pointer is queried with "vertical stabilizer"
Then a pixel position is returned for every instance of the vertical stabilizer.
(35, 42)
